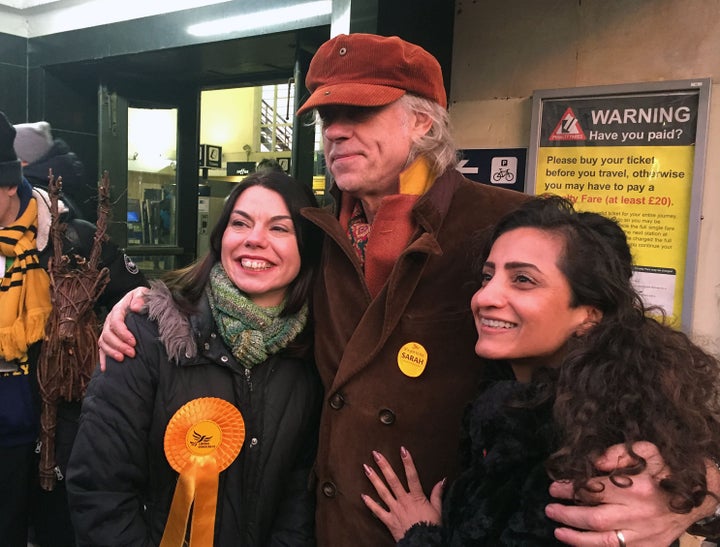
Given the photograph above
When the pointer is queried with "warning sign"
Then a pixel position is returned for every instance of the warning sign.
(568, 128)
(630, 156)
(621, 121)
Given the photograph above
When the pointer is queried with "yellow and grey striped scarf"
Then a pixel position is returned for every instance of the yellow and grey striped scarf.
(25, 289)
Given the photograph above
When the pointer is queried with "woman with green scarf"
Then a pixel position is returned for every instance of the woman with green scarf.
(208, 434)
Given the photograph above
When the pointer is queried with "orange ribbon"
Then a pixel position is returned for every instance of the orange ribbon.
(201, 440)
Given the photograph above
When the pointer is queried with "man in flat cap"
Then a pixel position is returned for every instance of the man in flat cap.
(395, 336)
(394, 332)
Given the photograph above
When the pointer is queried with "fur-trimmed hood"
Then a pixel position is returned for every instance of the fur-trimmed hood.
(176, 332)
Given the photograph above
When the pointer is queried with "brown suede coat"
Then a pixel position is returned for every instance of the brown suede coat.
(369, 403)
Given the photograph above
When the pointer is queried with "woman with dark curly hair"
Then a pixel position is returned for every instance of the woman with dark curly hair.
(589, 368)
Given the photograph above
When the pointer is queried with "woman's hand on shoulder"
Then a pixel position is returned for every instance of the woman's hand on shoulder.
(404, 507)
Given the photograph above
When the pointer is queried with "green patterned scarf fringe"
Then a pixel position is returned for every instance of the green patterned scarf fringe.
(253, 332)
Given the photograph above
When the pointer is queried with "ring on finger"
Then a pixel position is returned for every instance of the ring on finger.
(620, 538)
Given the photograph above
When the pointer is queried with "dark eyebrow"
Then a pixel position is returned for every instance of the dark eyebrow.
(273, 219)
(521, 265)
(514, 265)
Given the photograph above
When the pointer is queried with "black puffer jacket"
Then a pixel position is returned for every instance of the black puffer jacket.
(65, 163)
(119, 482)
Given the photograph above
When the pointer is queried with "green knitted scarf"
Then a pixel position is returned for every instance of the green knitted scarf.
(253, 332)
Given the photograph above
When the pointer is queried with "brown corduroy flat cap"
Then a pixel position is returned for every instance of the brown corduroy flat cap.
(371, 70)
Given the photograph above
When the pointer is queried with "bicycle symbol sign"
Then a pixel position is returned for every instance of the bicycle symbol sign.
(503, 170)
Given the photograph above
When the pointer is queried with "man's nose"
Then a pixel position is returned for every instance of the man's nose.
(339, 127)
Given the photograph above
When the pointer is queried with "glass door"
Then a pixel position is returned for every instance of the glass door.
(152, 185)
(149, 147)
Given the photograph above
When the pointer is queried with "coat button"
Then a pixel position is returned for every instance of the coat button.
(337, 401)
(206, 346)
(386, 416)
(224, 358)
(328, 489)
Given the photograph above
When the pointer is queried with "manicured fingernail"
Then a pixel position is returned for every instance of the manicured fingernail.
(368, 469)
(376, 455)
(403, 452)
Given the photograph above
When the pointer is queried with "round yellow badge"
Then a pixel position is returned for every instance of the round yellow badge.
(412, 359)
(207, 427)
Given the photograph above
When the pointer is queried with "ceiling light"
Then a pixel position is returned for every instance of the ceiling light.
(274, 16)
(24, 4)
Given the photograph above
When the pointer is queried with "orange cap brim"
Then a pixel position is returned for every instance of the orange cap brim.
(351, 94)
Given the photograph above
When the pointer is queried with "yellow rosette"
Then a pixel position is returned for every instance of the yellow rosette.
(201, 440)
